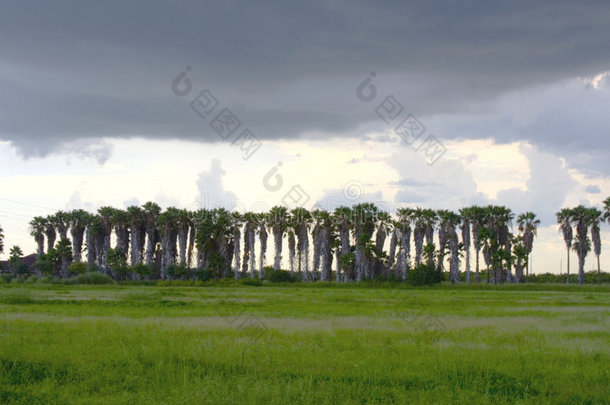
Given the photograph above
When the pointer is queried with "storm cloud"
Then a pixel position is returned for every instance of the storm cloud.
(74, 70)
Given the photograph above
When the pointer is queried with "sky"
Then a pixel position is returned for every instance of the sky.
(251, 104)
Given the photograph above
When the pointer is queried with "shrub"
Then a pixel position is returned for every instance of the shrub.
(279, 276)
(251, 281)
(46, 263)
(94, 278)
(77, 268)
(424, 274)
(7, 278)
(204, 274)
(22, 270)
(117, 261)
(177, 271)
(142, 269)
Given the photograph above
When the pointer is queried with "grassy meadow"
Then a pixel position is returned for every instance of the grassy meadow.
(311, 344)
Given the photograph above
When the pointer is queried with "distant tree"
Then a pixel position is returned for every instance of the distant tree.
(565, 226)
(37, 229)
(1, 240)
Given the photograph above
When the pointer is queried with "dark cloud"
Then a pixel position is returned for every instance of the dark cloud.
(72, 70)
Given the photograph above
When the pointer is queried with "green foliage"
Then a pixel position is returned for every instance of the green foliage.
(117, 261)
(424, 274)
(142, 269)
(279, 276)
(178, 272)
(47, 263)
(77, 268)
(94, 278)
(22, 270)
(204, 274)
(251, 281)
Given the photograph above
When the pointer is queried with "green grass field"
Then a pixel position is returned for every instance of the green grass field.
(304, 344)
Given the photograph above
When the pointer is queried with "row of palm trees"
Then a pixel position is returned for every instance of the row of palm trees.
(363, 242)
(576, 224)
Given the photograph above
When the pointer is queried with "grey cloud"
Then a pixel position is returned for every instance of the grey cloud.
(73, 70)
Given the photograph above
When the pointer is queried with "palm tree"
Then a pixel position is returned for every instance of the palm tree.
(594, 218)
(579, 218)
(135, 216)
(327, 240)
(301, 220)
(342, 221)
(419, 232)
(78, 223)
(262, 238)
(384, 226)
(364, 220)
(167, 223)
(120, 222)
(278, 220)
(445, 218)
(486, 238)
(431, 220)
(477, 222)
(62, 219)
(393, 245)
(183, 219)
(465, 220)
(37, 229)
(316, 234)
(94, 240)
(64, 252)
(520, 255)
(49, 231)
(528, 226)
(405, 216)
(106, 215)
(15, 258)
(451, 220)
(236, 223)
(565, 226)
(151, 214)
(250, 219)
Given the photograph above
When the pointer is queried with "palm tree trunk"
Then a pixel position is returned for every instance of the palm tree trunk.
(581, 268)
(476, 274)
(277, 241)
(291, 252)
(182, 240)
(568, 277)
(236, 251)
(191, 244)
(599, 274)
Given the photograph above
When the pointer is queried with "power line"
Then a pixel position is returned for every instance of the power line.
(31, 205)
(16, 214)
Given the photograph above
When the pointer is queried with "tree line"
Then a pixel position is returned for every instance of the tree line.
(348, 244)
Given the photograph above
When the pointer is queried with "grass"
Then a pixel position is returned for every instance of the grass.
(299, 343)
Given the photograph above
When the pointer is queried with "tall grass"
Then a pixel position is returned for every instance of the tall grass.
(128, 344)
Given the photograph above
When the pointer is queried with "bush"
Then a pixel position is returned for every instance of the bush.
(22, 270)
(279, 276)
(77, 268)
(424, 274)
(177, 272)
(94, 278)
(251, 281)
(142, 269)
(7, 278)
(204, 274)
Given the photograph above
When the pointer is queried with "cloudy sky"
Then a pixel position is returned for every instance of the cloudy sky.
(251, 104)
